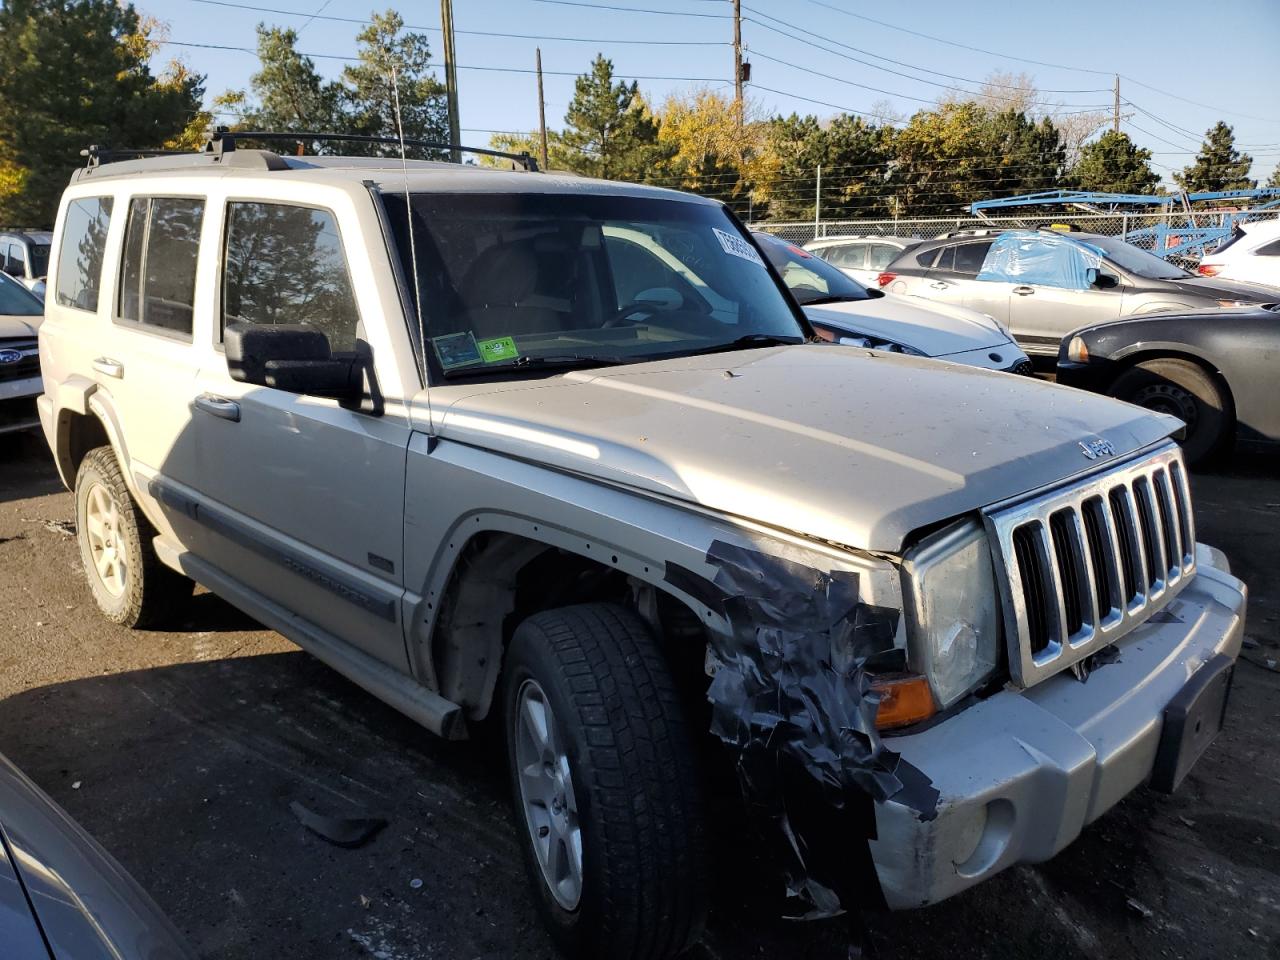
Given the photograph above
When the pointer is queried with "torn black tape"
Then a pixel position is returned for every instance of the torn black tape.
(792, 696)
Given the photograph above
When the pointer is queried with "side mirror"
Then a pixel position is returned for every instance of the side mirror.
(1103, 281)
(291, 357)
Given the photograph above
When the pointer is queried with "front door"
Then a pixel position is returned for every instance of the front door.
(302, 499)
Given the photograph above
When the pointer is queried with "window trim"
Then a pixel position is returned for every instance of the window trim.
(219, 314)
(106, 250)
(141, 326)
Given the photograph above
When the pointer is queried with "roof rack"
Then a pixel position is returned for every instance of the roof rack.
(97, 154)
(223, 140)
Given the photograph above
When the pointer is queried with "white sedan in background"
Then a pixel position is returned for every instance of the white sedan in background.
(1252, 254)
(842, 309)
(861, 257)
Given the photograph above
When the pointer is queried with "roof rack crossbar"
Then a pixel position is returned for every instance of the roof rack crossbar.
(224, 141)
(97, 154)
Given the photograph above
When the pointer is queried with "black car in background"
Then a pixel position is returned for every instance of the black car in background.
(1216, 370)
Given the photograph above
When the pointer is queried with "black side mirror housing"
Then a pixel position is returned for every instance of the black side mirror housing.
(291, 357)
(1102, 281)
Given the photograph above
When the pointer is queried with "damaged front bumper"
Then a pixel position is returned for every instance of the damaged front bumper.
(1021, 773)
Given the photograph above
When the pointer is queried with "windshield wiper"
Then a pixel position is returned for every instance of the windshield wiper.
(819, 301)
(752, 341)
(571, 361)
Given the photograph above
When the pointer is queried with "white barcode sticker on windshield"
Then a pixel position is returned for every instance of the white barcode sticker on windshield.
(737, 247)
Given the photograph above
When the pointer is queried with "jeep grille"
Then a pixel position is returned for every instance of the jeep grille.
(1085, 564)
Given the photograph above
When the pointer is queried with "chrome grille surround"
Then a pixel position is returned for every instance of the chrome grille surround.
(1082, 565)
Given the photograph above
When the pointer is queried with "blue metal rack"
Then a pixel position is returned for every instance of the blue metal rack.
(1192, 238)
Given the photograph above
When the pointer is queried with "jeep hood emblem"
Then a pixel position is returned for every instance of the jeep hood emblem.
(1097, 447)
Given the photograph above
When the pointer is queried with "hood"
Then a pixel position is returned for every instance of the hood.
(86, 903)
(18, 327)
(1220, 289)
(837, 443)
(935, 329)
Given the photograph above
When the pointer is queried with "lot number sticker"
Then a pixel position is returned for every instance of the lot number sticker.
(737, 247)
(500, 348)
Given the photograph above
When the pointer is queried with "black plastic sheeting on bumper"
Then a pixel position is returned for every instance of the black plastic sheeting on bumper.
(793, 698)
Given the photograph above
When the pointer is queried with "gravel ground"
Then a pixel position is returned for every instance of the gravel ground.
(188, 746)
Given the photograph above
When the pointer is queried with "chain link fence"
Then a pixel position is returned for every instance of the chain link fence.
(1157, 232)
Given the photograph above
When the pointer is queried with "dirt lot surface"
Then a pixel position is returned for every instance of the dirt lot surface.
(182, 750)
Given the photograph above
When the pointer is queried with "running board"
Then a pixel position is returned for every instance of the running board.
(442, 717)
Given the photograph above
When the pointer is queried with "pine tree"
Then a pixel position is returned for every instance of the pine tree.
(1274, 179)
(1114, 164)
(609, 131)
(75, 73)
(1218, 165)
(370, 95)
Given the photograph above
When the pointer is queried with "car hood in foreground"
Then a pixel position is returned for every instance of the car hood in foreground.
(87, 905)
(936, 329)
(838, 443)
(15, 327)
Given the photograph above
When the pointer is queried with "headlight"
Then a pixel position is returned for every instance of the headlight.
(952, 611)
(875, 343)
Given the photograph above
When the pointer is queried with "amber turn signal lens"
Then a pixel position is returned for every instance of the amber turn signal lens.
(904, 699)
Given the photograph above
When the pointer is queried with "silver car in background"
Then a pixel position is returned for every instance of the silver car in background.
(1044, 284)
(861, 257)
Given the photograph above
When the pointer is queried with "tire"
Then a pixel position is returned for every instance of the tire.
(1187, 391)
(616, 728)
(128, 582)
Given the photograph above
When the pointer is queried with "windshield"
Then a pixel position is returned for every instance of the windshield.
(16, 300)
(1134, 260)
(39, 255)
(535, 279)
(809, 278)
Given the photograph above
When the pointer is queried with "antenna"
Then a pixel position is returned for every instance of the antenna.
(408, 213)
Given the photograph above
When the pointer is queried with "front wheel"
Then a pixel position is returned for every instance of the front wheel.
(1188, 392)
(604, 785)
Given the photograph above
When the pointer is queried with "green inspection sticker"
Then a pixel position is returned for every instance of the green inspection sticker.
(457, 350)
(500, 348)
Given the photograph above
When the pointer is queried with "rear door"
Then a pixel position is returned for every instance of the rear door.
(953, 278)
(303, 498)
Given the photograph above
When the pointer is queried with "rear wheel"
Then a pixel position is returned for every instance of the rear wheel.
(604, 784)
(1188, 392)
(128, 582)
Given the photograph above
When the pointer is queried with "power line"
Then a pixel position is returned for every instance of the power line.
(810, 38)
(472, 33)
(461, 66)
(667, 13)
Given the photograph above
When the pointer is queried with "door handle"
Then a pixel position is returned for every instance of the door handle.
(108, 367)
(219, 407)
(1024, 291)
(939, 285)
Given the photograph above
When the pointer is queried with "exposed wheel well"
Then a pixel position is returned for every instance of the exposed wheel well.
(78, 433)
(500, 579)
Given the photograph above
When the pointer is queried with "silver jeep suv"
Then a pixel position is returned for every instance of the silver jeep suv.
(563, 453)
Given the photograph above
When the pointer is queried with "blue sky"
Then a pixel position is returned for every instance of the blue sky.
(1180, 73)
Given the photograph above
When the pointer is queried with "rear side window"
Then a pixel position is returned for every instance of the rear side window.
(925, 258)
(13, 261)
(158, 269)
(969, 257)
(285, 264)
(851, 255)
(84, 241)
(881, 256)
(1271, 249)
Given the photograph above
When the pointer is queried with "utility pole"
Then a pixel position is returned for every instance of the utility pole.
(1115, 110)
(542, 113)
(737, 59)
(817, 203)
(451, 77)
